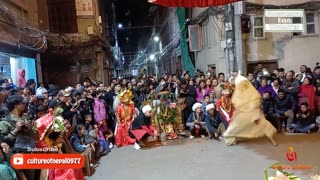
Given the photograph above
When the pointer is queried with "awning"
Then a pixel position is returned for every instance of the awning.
(191, 3)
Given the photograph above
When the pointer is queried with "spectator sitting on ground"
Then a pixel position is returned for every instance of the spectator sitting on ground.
(196, 122)
(306, 120)
(214, 126)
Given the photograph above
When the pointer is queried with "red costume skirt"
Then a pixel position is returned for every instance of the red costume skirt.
(62, 174)
(139, 133)
(122, 135)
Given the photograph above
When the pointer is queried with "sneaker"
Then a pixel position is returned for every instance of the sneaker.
(309, 131)
(136, 146)
(203, 136)
(110, 145)
(191, 137)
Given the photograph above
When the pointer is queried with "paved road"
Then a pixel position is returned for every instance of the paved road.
(201, 159)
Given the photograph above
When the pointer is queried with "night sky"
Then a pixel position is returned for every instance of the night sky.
(133, 13)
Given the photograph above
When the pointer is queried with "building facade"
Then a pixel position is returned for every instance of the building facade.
(272, 49)
(21, 40)
(77, 43)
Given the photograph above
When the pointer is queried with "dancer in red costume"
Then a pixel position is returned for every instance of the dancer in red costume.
(49, 127)
(224, 105)
(125, 114)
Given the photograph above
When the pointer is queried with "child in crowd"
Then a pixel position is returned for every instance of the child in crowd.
(88, 122)
(205, 102)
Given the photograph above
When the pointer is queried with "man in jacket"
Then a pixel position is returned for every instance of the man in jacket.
(306, 120)
(214, 125)
(284, 105)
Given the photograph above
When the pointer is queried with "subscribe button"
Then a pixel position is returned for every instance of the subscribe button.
(47, 161)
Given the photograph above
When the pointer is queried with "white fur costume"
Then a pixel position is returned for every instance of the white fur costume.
(248, 120)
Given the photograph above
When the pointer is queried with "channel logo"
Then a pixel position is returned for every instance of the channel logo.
(43, 161)
(17, 159)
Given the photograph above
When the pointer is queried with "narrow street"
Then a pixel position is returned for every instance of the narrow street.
(201, 159)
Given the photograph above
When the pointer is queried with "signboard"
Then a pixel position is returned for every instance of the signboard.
(284, 20)
(84, 7)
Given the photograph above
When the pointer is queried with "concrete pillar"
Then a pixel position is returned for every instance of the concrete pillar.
(238, 38)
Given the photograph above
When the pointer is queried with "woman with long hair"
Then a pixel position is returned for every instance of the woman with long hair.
(202, 91)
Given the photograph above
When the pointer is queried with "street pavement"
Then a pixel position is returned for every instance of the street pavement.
(201, 159)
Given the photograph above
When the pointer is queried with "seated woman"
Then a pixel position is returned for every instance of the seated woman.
(264, 87)
(78, 141)
(306, 120)
(141, 127)
(97, 135)
(196, 122)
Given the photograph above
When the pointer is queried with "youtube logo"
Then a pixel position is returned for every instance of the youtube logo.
(18, 161)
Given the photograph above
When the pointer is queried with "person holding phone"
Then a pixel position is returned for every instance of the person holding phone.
(17, 130)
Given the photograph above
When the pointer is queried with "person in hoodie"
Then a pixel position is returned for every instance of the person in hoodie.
(21, 78)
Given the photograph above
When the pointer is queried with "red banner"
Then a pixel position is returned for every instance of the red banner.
(191, 3)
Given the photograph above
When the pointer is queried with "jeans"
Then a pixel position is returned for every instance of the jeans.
(302, 129)
(290, 117)
(105, 145)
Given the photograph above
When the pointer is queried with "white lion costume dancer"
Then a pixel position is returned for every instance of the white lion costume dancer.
(248, 120)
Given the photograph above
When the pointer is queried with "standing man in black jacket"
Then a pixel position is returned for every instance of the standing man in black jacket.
(189, 93)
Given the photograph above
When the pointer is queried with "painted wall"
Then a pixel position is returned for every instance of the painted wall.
(27, 64)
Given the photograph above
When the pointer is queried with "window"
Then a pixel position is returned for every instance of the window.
(62, 16)
(194, 38)
(257, 31)
(309, 25)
